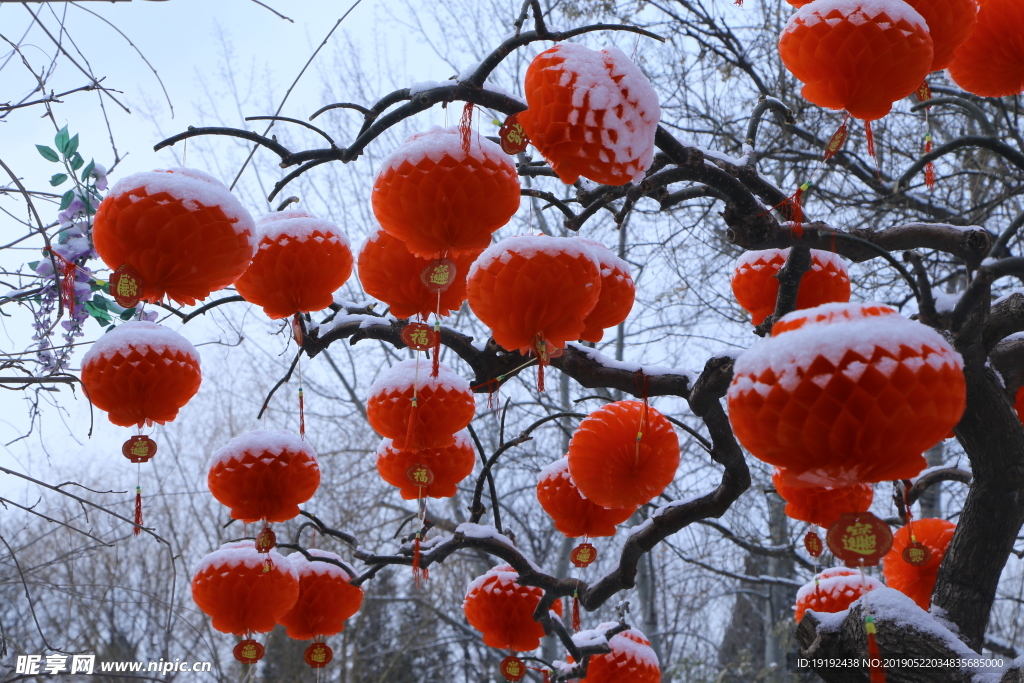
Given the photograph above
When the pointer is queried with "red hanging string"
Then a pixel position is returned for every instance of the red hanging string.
(138, 511)
(466, 126)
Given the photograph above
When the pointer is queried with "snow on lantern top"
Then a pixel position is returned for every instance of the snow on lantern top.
(139, 335)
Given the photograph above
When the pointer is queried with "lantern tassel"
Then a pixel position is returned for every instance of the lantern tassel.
(466, 126)
(929, 169)
(138, 511)
(871, 148)
(410, 430)
(67, 281)
(302, 416)
(547, 674)
(576, 611)
(875, 668)
(797, 231)
(436, 360)
(417, 573)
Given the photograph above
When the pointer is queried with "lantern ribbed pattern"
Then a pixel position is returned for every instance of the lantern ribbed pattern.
(833, 590)
(845, 394)
(502, 610)
(631, 659)
(449, 465)
(141, 371)
(264, 475)
(231, 586)
(820, 505)
(917, 582)
(756, 288)
(610, 467)
(618, 293)
(181, 230)
(326, 598)
(574, 515)
(857, 56)
(299, 263)
(990, 63)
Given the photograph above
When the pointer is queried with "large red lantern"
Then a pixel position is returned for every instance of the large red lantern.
(574, 515)
(300, 262)
(591, 114)
(443, 193)
(820, 505)
(140, 372)
(241, 591)
(389, 272)
(502, 610)
(326, 597)
(756, 287)
(417, 410)
(914, 574)
(857, 55)
(990, 62)
(631, 659)
(833, 590)
(617, 294)
(264, 475)
(623, 455)
(181, 231)
(534, 289)
(845, 394)
(427, 473)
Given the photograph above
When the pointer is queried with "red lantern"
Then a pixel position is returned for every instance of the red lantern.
(444, 195)
(574, 515)
(503, 610)
(431, 472)
(990, 62)
(416, 410)
(623, 455)
(632, 659)
(300, 262)
(845, 394)
(617, 293)
(820, 505)
(264, 475)
(833, 590)
(918, 581)
(181, 231)
(535, 288)
(591, 114)
(235, 587)
(756, 287)
(859, 56)
(326, 598)
(141, 371)
(389, 272)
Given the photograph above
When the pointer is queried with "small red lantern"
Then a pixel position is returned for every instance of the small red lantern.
(445, 193)
(240, 593)
(813, 544)
(618, 293)
(859, 539)
(990, 63)
(844, 394)
(300, 262)
(574, 515)
(416, 410)
(916, 579)
(623, 455)
(264, 475)
(139, 449)
(429, 472)
(181, 231)
(326, 597)
(821, 505)
(512, 668)
(533, 289)
(591, 114)
(503, 610)
(141, 371)
(583, 555)
(318, 655)
(631, 659)
(756, 288)
(248, 651)
(833, 590)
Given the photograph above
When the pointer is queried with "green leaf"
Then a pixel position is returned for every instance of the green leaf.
(66, 200)
(60, 140)
(57, 179)
(33, 264)
(76, 162)
(87, 171)
(47, 153)
(71, 147)
(127, 314)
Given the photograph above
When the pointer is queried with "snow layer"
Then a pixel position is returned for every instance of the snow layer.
(531, 245)
(632, 642)
(437, 143)
(243, 554)
(462, 440)
(304, 567)
(298, 225)
(406, 374)
(270, 443)
(758, 260)
(857, 12)
(606, 258)
(140, 336)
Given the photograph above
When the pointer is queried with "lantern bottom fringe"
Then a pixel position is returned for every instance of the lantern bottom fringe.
(138, 511)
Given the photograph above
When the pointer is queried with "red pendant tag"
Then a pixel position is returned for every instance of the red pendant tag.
(439, 275)
(512, 136)
(266, 540)
(139, 448)
(249, 651)
(420, 475)
(917, 554)
(859, 538)
(812, 542)
(837, 141)
(924, 92)
(318, 655)
(583, 555)
(126, 286)
(513, 669)
(418, 336)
